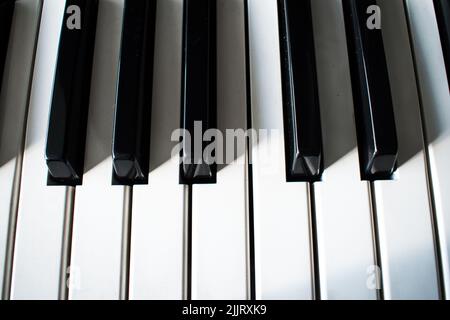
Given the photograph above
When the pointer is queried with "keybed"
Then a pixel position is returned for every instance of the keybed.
(339, 192)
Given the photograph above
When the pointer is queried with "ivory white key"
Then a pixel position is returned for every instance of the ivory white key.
(95, 267)
(37, 254)
(407, 249)
(13, 110)
(343, 210)
(435, 96)
(156, 261)
(282, 239)
(219, 259)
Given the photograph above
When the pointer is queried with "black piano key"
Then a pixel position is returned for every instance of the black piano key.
(303, 143)
(442, 8)
(131, 141)
(6, 15)
(374, 115)
(70, 102)
(198, 97)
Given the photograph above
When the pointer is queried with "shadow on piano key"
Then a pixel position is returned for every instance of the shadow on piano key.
(13, 109)
(103, 91)
(166, 88)
(14, 91)
(231, 90)
(231, 75)
(335, 90)
(338, 130)
(403, 84)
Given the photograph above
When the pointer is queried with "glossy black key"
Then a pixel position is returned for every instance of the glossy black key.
(6, 15)
(131, 141)
(198, 97)
(442, 8)
(303, 143)
(69, 110)
(374, 115)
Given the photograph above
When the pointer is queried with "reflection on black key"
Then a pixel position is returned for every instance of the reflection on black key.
(304, 161)
(68, 116)
(374, 115)
(6, 15)
(131, 142)
(442, 8)
(198, 97)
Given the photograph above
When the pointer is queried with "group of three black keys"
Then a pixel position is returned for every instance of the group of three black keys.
(65, 151)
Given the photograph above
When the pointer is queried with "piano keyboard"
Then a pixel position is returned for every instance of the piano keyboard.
(338, 191)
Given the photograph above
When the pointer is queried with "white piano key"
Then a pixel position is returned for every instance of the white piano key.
(95, 268)
(37, 255)
(219, 259)
(343, 210)
(282, 239)
(13, 106)
(156, 267)
(156, 261)
(434, 89)
(404, 215)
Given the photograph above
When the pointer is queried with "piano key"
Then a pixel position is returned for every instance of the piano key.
(435, 99)
(281, 218)
(41, 209)
(198, 101)
(375, 123)
(100, 208)
(131, 141)
(343, 211)
(68, 115)
(13, 107)
(407, 248)
(6, 16)
(156, 271)
(300, 96)
(219, 237)
(442, 8)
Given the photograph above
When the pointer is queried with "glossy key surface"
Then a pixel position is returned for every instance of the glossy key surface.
(131, 142)
(198, 97)
(70, 102)
(372, 99)
(304, 160)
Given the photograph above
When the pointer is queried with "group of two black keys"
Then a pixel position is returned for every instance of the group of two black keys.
(374, 116)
